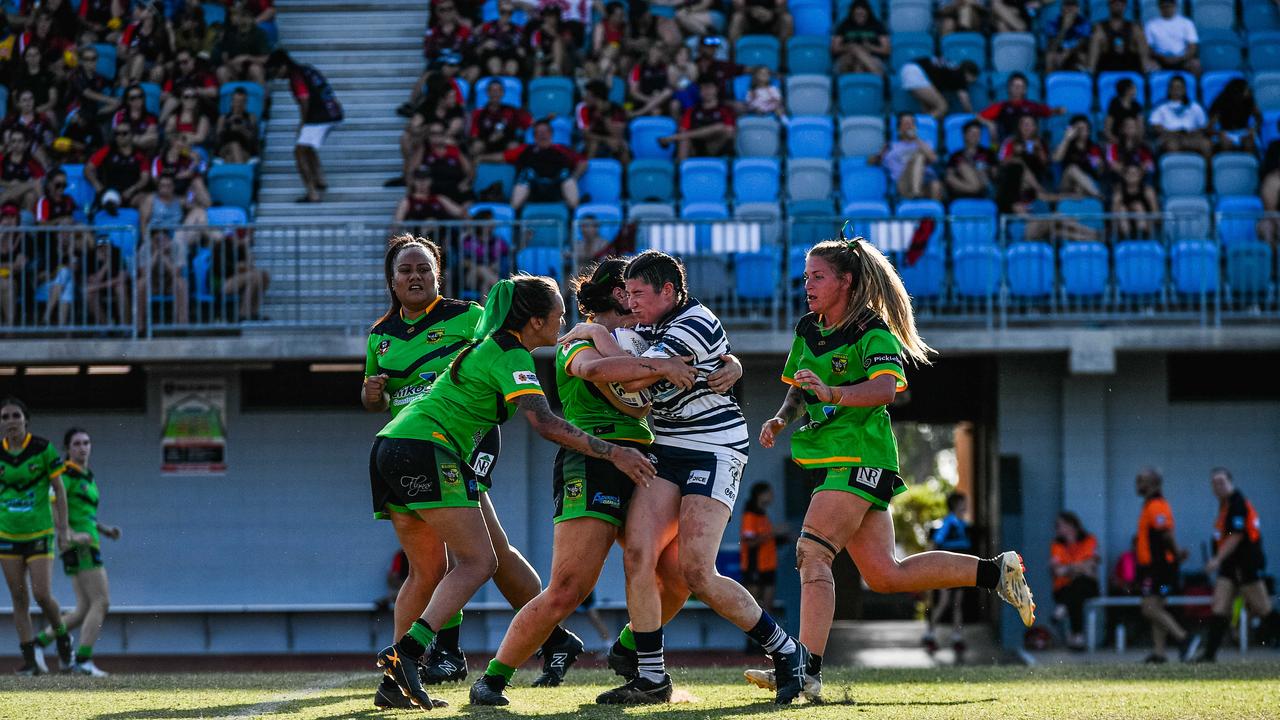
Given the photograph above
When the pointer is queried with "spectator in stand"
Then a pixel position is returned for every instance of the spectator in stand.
(1080, 160)
(1124, 106)
(754, 17)
(496, 127)
(448, 34)
(187, 167)
(713, 69)
(264, 16)
(87, 91)
(20, 174)
(241, 55)
(451, 171)
(439, 104)
(1028, 147)
(609, 44)
(421, 204)
(39, 127)
(551, 44)
(235, 275)
(1118, 43)
(909, 161)
(16, 260)
(106, 285)
(320, 111)
(498, 46)
(103, 18)
(575, 15)
(31, 74)
(145, 48)
(1269, 188)
(168, 207)
(545, 172)
(860, 43)
(1073, 560)
(592, 244)
(1180, 123)
(484, 255)
(80, 137)
(440, 75)
(1135, 195)
(1020, 195)
(960, 16)
(145, 126)
(971, 169)
(164, 273)
(190, 32)
(41, 32)
(1002, 118)
(929, 79)
(1159, 558)
(189, 119)
(446, 110)
(650, 84)
(1128, 149)
(1014, 15)
(120, 167)
(65, 23)
(187, 75)
(1173, 40)
(55, 206)
(706, 130)
(1233, 117)
(603, 124)
(764, 97)
(1068, 35)
(237, 131)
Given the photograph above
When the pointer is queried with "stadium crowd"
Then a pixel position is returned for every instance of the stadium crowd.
(128, 115)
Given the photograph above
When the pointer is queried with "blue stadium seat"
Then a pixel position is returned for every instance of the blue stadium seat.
(1237, 218)
(973, 222)
(1013, 52)
(1158, 84)
(512, 87)
(255, 96)
(711, 272)
(758, 136)
(1214, 14)
(1264, 48)
(860, 94)
(1266, 89)
(501, 212)
(541, 261)
(1220, 50)
(106, 65)
(1107, 82)
(1235, 173)
(609, 217)
(551, 96)
(810, 136)
(1084, 269)
(1249, 269)
(4, 100)
(753, 50)
(465, 88)
(1270, 129)
(645, 131)
(924, 279)
(812, 221)
(953, 131)
(861, 213)
(651, 181)
(226, 215)
(704, 180)
(1029, 269)
(1140, 268)
(809, 178)
(756, 180)
(1000, 85)
(489, 173)
(757, 275)
(811, 17)
(651, 212)
(125, 233)
(602, 181)
(926, 128)
(1211, 83)
(1087, 210)
(809, 54)
(910, 16)
(907, 46)
(925, 208)
(861, 136)
(78, 188)
(1071, 90)
(808, 94)
(231, 184)
(1259, 16)
(542, 233)
(704, 211)
(151, 92)
(977, 271)
(960, 46)
(768, 215)
(900, 100)
(1182, 174)
(860, 181)
(1195, 267)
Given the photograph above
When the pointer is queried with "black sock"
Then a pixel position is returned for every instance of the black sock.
(650, 661)
(447, 640)
(771, 637)
(1218, 625)
(1269, 630)
(558, 636)
(28, 652)
(414, 643)
(988, 573)
(815, 664)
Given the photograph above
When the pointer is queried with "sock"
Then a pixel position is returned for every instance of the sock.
(43, 639)
(988, 573)
(1218, 626)
(626, 638)
(558, 635)
(417, 640)
(1269, 629)
(497, 675)
(28, 652)
(651, 664)
(771, 637)
(815, 664)
(450, 635)
(84, 653)
(61, 630)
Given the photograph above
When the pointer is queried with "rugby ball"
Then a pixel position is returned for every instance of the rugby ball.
(634, 345)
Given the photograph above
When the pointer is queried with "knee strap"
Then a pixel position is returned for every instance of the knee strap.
(806, 535)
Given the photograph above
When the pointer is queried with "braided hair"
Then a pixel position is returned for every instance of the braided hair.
(594, 287)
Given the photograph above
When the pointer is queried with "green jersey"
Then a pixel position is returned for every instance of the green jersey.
(456, 414)
(82, 500)
(586, 408)
(25, 474)
(413, 353)
(838, 436)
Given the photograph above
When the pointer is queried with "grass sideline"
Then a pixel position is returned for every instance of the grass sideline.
(1238, 691)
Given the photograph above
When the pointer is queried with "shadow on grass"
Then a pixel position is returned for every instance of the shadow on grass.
(267, 707)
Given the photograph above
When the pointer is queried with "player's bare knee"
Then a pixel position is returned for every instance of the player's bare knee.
(814, 555)
(636, 558)
(696, 575)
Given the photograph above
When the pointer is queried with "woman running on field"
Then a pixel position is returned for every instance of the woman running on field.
(845, 368)
(409, 347)
(418, 456)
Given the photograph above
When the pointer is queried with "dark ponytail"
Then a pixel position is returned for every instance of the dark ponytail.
(510, 305)
(394, 247)
(594, 286)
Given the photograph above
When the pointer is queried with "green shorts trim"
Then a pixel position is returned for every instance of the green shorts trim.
(81, 558)
(875, 485)
(588, 487)
(36, 547)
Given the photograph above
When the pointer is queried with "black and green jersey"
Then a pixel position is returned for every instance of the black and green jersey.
(837, 436)
(586, 407)
(25, 473)
(413, 353)
(456, 414)
(82, 500)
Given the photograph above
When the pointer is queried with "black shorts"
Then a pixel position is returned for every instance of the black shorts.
(759, 577)
(27, 549)
(1242, 572)
(700, 472)
(592, 487)
(485, 457)
(81, 558)
(407, 475)
(1158, 580)
(875, 485)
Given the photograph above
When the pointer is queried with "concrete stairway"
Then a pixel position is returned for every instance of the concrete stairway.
(371, 52)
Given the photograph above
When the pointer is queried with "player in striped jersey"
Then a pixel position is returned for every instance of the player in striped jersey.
(700, 449)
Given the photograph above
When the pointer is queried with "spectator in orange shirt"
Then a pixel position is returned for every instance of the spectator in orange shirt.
(1074, 563)
(1158, 559)
(759, 544)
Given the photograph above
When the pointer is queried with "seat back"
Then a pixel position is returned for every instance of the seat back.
(551, 96)
(861, 136)
(808, 94)
(810, 137)
(1013, 52)
(704, 180)
(758, 136)
(860, 94)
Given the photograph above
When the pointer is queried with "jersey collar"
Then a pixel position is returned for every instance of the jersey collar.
(74, 466)
(25, 441)
(425, 312)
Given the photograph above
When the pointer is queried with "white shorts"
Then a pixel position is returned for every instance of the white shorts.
(913, 78)
(313, 136)
(696, 472)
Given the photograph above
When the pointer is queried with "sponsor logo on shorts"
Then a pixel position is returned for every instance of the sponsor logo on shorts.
(435, 335)
(383, 347)
(482, 463)
(839, 363)
(417, 484)
(606, 500)
(735, 475)
(868, 476)
(699, 477)
(881, 359)
(526, 377)
(450, 473)
(573, 489)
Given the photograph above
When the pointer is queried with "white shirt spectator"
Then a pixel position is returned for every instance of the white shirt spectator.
(1170, 36)
(1179, 117)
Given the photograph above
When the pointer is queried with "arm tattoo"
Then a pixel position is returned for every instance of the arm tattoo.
(793, 405)
(558, 430)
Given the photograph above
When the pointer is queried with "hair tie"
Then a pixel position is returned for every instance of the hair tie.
(496, 308)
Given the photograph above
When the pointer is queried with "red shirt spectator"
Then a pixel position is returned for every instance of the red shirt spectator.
(498, 127)
(1006, 114)
(445, 33)
(184, 166)
(307, 83)
(118, 169)
(551, 162)
(152, 42)
(20, 168)
(712, 69)
(699, 116)
(139, 124)
(51, 210)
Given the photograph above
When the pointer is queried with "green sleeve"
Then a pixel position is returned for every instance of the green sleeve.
(793, 360)
(881, 354)
(566, 353)
(371, 356)
(52, 462)
(513, 375)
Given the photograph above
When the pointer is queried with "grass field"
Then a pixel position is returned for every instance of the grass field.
(1235, 690)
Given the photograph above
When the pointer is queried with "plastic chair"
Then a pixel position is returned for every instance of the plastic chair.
(811, 17)
(1220, 50)
(1182, 174)
(753, 50)
(231, 184)
(551, 96)
(1088, 211)
(1259, 16)
(214, 13)
(910, 16)
(489, 173)
(77, 187)
(541, 233)
(608, 216)
(1071, 90)
(1140, 268)
(859, 181)
(1013, 52)
(125, 233)
(973, 222)
(861, 136)
(1212, 83)
(1107, 82)
(757, 275)
(602, 181)
(809, 54)
(768, 215)
(106, 65)
(756, 180)
(704, 180)
(960, 46)
(1249, 269)
(925, 278)
(1266, 89)
(810, 137)
(758, 136)
(907, 46)
(151, 92)
(1029, 269)
(711, 275)
(861, 213)
(1235, 173)
(255, 97)
(644, 133)
(809, 179)
(925, 208)
(860, 94)
(808, 94)
(1264, 48)
(512, 88)
(540, 261)
(1084, 269)
(1188, 217)
(977, 271)
(649, 212)
(704, 211)
(1214, 14)
(953, 131)
(1237, 218)
(226, 216)
(1195, 267)
(651, 180)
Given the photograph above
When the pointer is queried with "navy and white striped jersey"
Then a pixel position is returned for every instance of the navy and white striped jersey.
(697, 418)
